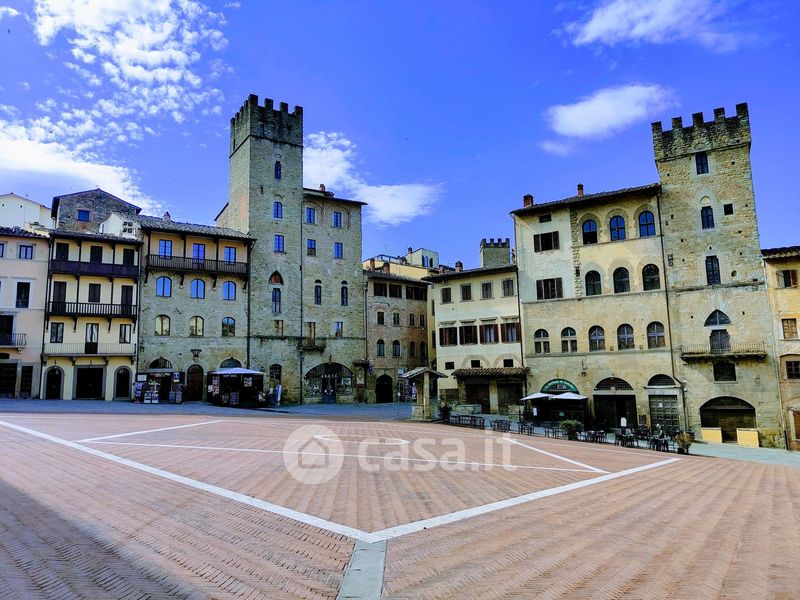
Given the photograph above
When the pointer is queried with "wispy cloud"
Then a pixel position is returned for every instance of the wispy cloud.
(7, 11)
(655, 21)
(606, 112)
(329, 158)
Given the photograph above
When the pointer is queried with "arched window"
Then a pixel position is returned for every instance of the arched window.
(717, 318)
(597, 339)
(396, 348)
(228, 327)
(617, 227)
(230, 363)
(277, 210)
(724, 371)
(647, 224)
(622, 281)
(569, 340)
(423, 350)
(625, 337)
(655, 335)
(541, 343)
(317, 292)
(196, 327)
(589, 232)
(412, 350)
(229, 291)
(162, 325)
(345, 294)
(381, 348)
(275, 279)
(707, 217)
(650, 278)
(275, 372)
(276, 301)
(277, 169)
(197, 289)
(164, 287)
(593, 285)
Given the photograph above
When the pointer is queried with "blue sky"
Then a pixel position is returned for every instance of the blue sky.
(441, 115)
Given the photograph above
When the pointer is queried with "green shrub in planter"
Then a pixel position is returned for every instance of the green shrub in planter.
(571, 428)
(683, 440)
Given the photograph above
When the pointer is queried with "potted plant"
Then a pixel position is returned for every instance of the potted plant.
(571, 428)
(444, 411)
(683, 440)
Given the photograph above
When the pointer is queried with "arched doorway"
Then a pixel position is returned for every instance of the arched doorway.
(52, 383)
(230, 363)
(122, 383)
(327, 382)
(384, 386)
(728, 414)
(614, 399)
(194, 383)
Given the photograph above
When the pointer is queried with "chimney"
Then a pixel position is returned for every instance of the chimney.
(167, 218)
(321, 187)
(410, 250)
(385, 268)
(459, 266)
(527, 200)
(441, 268)
(580, 189)
(371, 264)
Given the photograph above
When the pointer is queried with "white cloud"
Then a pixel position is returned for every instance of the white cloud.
(233, 5)
(329, 158)
(654, 21)
(609, 110)
(555, 147)
(7, 11)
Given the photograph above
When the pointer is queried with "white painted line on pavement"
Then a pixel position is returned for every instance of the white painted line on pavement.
(119, 435)
(551, 455)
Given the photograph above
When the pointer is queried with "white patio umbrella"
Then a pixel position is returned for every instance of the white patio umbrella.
(570, 396)
(536, 396)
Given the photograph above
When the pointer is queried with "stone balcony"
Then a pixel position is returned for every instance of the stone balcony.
(698, 352)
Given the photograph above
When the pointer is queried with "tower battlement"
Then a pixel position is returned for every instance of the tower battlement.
(702, 135)
(491, 243)
(266, 121)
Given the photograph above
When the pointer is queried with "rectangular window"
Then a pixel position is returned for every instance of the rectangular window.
(712, 270)
(62, 251)
(509, 332)
(416, 293)
(278, 324)
(311, 215)
(396, 319)
(83, 215)
(475, 364)
(447, 297)
(468, 334)
(338, 328)
(448, 336)
(727, 209)
(793, 369)
(380, 317)
(95, 254)
(277, 210)
(2, 249)
(422, 321)
(127, 227)
(125, 333)
(545, 241)
(338, 250)
(230, 254)
(128, 256)
(25, 252)
(165, 248)
(548, 289)
(94, 292)
(379, 288)
(311, 247)
(508, 287)
(276, 301)
(23, 294)
(789, 329)
(198, 251)
(488, 334)
(508, 363)
(412, 320)
(449, 366)
(278, 246)
(486, 290)
(56, 333)
(337, 218)
(545, 218)
(395, 290)
(787, 278)
(466, 292)
(701, 162)
(707, 217)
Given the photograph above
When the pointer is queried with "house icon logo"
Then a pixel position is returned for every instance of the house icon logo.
(313, 454)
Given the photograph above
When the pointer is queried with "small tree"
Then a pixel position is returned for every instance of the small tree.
(683, 440)
(571, 428)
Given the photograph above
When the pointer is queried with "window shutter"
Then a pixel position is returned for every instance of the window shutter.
(481, 334)
(793, 278)
(503, 331)
(537, 243)
(555, 240)
(441, 337)
(559, 290)
(539, 289)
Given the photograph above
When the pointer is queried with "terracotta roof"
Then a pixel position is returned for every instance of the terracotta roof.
(320, 195)
(20, 233)
(92, 235)
(491, 372)
(785, 252)
(421, 371)
(470, 272)
(159, 224)
(379, 275)
(587, 198)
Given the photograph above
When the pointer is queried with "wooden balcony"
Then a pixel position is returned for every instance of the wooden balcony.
(91, 309)
(89, 349)
(74, 267)
(197, 265)
(13, 340)
(697, 352)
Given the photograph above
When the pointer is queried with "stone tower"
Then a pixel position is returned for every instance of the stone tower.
(712, 261)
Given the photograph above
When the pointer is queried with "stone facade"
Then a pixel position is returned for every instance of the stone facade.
(661, 287)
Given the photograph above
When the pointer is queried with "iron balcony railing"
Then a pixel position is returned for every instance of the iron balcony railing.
(207, 265)
(730, 349)
(91, 309)
(15, 340)
(88, 268)
(89, 349)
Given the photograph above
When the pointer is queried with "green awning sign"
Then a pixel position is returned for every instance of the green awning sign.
(559, 385)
